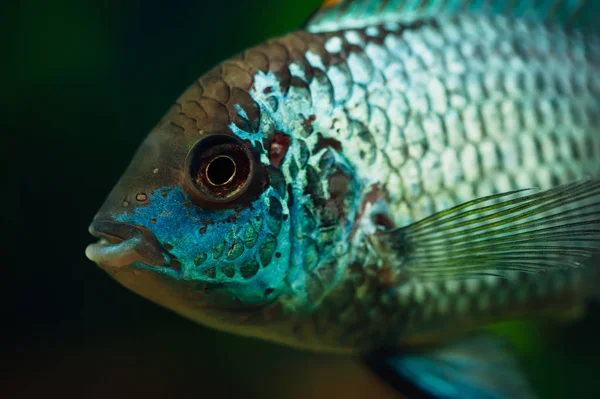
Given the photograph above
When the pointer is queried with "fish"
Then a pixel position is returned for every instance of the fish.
(382, 182)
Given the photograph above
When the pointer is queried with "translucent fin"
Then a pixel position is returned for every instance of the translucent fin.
(344, 14)
(478, 367)
(521, 230)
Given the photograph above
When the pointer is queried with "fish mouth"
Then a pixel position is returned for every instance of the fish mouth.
(121, 244)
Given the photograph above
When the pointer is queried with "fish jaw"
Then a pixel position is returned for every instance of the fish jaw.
(188, 299)
(132, 256)
(121, 244)
(117, 255)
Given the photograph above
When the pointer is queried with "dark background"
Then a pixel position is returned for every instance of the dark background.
(84, 81)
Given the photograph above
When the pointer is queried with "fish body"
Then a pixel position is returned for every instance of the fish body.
(424, 117)
(354, 185)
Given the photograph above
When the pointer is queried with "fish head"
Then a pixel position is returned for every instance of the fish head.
(195, 223)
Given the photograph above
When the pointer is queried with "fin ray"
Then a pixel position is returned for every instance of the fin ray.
(553, 229)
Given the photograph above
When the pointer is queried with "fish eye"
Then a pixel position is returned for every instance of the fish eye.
(219, 170)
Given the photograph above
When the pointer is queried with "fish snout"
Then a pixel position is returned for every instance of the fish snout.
(121, 244)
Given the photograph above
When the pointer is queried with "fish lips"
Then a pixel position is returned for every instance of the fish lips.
(121, 244)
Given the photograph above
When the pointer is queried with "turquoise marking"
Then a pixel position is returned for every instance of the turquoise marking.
(254, 138)
(241, 111)
(187, 231)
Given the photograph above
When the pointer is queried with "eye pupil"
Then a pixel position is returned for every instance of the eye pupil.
(221, 170)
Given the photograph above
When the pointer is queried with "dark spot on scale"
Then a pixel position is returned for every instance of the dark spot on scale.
(327, 160)
(383, 221)
(202, 229)
(163, 193)
(233, 218)
(269, 291)
(575, 149)
(285, 216)
(278, 254)
(153, 220)
(278, 148)
(228, 270)
(339, 185)
(268, 90)
(387, 277)
(298, 83)
(323, 142)
(293, 168)
(290, 199)
(211, 272)
(200, 258)
(175, 265)
(249, 269)
(307, 123)
(555, 179)
(273, 103)
(168, 247)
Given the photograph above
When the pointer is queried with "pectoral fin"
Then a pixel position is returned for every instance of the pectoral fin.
(523, 230)
(476, 367)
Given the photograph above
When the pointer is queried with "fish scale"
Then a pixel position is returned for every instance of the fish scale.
(356, 136)
(447, 110)
(392, 174)
(506, 117)
(428, 114)
(434, 305)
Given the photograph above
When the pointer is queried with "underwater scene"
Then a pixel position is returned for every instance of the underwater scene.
(281, 199)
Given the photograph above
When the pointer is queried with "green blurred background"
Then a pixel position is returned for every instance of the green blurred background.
(84, 81)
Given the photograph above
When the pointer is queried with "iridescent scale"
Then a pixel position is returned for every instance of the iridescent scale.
(446, 111)
(401, 121)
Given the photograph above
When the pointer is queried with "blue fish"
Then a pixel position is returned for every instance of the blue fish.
(380, 183)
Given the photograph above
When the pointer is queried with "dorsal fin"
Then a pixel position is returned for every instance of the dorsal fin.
(344, 14)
